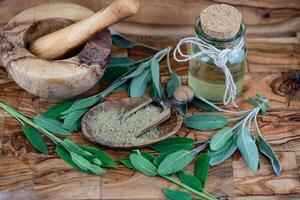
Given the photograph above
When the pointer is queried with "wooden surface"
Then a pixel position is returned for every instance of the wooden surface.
(272, 62)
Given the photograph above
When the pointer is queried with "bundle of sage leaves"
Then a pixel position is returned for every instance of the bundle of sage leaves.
(170, 166)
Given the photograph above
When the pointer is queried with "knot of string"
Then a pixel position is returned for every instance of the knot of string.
(219, 57)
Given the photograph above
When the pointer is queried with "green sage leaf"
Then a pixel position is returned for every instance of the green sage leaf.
(72, 147)
(85, 164)
(35, 139)
(73, 120)
(141, 68)
(54, 112)
(189, 180)
(173, 83)
(142, 164)
(152, 92)
(127, 163)
(51, 125)
(120, 61)
(176, 194)
(139, 84)
(122, 42)
(221, 138)
(175, 162)
(64, 155)
(202, 168)
(81, 104)
(160, 157)
(156, 78)
(248, 148)
(222, 155)
(267, 150)
(202, 105)
(122, 87)
(148, 156)
(173, 144)
(106, 160)
(252, 101)
(205, 122)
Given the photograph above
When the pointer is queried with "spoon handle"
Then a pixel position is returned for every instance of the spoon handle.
(61, 42)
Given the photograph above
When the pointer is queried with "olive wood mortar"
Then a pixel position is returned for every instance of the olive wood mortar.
(166, 129)
(53, 39)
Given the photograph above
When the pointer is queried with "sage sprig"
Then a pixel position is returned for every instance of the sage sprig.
(87, 159)
(171, 169)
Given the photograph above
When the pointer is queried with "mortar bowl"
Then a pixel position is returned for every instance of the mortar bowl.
(59, 79)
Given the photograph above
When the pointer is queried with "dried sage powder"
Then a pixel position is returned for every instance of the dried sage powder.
(108, 125)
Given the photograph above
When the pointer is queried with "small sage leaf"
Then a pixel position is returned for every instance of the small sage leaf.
(252, 101)
(142, 67)
(139, 84)
(122, 42)
(205, 122)
(142, 164)
(173, 144)
(177, 194)
(72, 147)
(54, 112)
(175, 162)
(221, 138)
(148, 156)
(120, 61)
(173, 83)
(189, 180)
(221, 155)
(73, 119)
(202, 168)
(202, 105)
(64, 155)
(106, 160)
(156, 78)
(35, 139)
(120, 88)
(267, 150)
(85, 164)
(81, 104)
(51, 125)
(248, 148)
(127, 163)
(157, 159)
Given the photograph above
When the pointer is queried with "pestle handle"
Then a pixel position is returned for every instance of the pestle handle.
(61, 42)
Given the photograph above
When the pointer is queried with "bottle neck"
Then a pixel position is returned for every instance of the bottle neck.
(218, 43)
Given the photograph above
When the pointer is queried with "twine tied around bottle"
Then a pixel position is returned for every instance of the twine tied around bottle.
(219, 57)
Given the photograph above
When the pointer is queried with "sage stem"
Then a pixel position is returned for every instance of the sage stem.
(200, 194)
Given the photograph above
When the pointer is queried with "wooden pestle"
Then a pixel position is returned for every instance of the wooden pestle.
(59, 43)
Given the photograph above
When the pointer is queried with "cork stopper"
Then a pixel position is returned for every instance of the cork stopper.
(220, 21)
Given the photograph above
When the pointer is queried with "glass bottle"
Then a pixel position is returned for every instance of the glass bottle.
(205, 77)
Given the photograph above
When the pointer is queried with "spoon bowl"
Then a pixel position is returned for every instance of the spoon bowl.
(166, 129)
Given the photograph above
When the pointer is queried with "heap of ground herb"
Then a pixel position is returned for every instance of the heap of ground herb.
(109, 125)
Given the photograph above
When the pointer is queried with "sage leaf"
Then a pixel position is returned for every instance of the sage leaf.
(139, 84)
(173, 144)
(72, 119)
(85, 164)
(106, 160)
(248, 148)
(54, 112)
(220, 138)
(202, 105)
(175, 162)
(122, 42)
(35, 139)
(81, 104)
(96, 161)
(64, 155)
(138, 71)
(148, 156)
(120, 61)
(177, 194)
(205, 122)
(252, 101)
(120, 88)
(267, 150)
(127, 163)
(173, 83)
(142, 164)
(189, 180)
(156, 78)
(202, 168)
(72, 147)
(51, 125)
(222, 155)
(152, 92)
(157, 159)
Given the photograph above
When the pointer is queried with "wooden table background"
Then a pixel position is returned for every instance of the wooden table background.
(273, 60)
